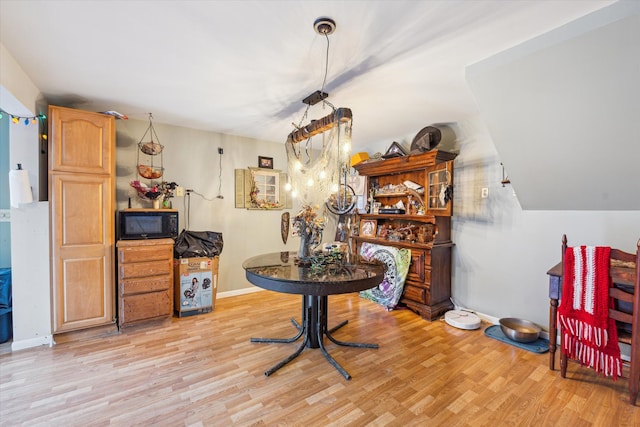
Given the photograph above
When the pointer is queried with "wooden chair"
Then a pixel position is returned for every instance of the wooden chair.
(625, 272)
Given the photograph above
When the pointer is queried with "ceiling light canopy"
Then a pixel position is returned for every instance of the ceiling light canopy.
(324, 26)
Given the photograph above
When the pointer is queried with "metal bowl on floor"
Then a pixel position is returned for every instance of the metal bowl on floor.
(519, 329)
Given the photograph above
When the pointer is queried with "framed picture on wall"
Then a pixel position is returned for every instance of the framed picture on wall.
(368, 227)
(265, 162)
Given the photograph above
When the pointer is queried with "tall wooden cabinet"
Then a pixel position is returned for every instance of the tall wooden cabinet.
(82, 213)
(425, 229)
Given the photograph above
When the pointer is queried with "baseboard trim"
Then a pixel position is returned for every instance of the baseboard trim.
(236, 292)
(32, 342)
(82, 334)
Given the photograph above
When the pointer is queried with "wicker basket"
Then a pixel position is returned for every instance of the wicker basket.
(150, 172)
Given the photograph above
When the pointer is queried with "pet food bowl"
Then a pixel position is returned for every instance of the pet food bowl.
(520, 330)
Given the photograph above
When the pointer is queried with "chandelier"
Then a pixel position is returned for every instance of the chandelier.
(318, 171)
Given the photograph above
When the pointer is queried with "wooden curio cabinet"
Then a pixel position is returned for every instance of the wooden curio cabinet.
(424, 227)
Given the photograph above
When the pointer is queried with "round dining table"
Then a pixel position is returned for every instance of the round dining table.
(284, 272)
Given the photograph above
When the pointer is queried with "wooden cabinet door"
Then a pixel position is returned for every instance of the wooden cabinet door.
(81, 141)
(438, 193)
(82, 203)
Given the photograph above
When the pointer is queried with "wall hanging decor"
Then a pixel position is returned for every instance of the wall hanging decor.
(260, 188)
(265, 162)
(284, 226)
(149, 164)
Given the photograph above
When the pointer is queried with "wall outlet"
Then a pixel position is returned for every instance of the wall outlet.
(484, 193)
(179, 191)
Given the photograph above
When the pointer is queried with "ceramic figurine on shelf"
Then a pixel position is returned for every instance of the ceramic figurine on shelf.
(422, 234)
(383, 231)
(371, 202)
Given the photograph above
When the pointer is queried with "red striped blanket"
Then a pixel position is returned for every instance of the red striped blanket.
(589, 335)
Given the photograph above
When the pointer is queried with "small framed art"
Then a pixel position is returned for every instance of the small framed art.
(265, 162)
(368, 227)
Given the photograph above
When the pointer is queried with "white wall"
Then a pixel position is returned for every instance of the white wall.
(503, 252)
(30, 222)
(569, 99)
(191, 159)
(17, 92)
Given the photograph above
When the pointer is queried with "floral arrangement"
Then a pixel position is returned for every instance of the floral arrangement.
(309, 226)
(307, 220)
(262, 203)
(161, 191)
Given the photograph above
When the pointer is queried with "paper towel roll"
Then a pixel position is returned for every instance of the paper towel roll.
(19, 187)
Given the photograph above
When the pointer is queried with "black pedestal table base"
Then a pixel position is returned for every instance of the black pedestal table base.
(312, 329)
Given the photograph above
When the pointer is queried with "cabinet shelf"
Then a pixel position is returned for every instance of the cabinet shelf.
(402, 194)
(403, 244)
(418, 218)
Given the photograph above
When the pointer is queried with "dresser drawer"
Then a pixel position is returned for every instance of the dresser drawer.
(147, 284)
(416, 269)
(420, 268)
(414, 293)
(145, 253)
(146, 306)
(144, 269)
(427, 276)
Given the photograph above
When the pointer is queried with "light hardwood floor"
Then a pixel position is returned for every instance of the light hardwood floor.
(204, 371)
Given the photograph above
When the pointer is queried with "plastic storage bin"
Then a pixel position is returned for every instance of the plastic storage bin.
(6, 320)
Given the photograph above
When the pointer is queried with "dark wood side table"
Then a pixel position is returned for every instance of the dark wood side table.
(279, 272)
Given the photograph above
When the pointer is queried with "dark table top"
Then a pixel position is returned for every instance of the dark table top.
(278, 271)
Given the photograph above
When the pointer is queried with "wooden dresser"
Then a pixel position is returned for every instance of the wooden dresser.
(145, 280)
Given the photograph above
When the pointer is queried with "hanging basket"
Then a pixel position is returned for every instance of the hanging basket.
(150, 171)
(147, 162)
(151, 148)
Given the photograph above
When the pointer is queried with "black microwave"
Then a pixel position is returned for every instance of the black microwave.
(134, 224)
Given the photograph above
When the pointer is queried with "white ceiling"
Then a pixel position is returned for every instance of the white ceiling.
(243, 67)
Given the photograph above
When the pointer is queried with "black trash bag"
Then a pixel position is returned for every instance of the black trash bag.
(191, 244)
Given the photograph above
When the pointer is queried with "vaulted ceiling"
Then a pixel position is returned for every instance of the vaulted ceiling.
(563, 111)
(243, 67)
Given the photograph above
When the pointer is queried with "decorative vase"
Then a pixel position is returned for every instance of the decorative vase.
(166, 204)
(305, 244)
(156, 204)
